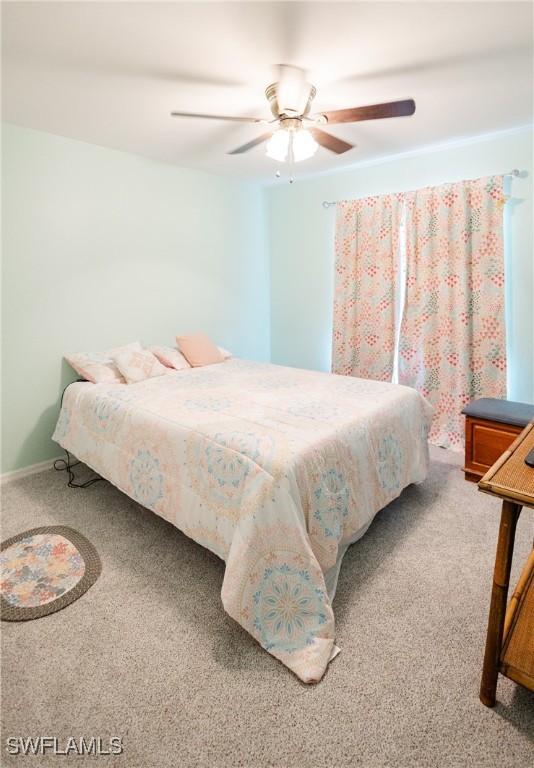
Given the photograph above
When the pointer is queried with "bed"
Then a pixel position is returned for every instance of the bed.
(276, 470)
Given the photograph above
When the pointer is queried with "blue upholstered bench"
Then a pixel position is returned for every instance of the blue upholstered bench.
(491, 426)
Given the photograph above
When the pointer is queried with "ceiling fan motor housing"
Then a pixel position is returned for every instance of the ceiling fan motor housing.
(290, 123)
(271, 92)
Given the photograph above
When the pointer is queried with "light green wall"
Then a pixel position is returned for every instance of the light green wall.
(101, 248)
(301, 239)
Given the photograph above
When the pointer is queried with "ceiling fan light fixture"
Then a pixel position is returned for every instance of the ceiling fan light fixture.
(304, 145)
(278, 145)
(301, 142)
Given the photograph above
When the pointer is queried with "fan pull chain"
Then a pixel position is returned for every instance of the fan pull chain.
(291, 159)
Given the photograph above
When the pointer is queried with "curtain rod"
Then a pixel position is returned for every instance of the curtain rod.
(514, 173)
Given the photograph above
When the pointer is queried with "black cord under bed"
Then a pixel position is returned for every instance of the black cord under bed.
(66, 465)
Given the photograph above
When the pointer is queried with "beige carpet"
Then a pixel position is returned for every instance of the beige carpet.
(148, 653)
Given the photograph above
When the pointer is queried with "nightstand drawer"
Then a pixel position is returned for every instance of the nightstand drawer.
(490, 441)
(485, 441)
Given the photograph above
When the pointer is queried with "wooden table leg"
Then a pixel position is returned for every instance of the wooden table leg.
(499, 594)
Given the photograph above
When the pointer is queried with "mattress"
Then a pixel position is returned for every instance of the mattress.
(276, 470)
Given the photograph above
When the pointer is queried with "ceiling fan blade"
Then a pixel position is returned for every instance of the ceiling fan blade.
(250, 144)
(220, 117)
(293, 90)
(330, 142)
(372, 112)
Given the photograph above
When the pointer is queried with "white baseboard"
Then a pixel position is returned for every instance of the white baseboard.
(33, 469)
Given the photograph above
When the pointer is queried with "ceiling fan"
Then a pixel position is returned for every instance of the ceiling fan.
(294, 134)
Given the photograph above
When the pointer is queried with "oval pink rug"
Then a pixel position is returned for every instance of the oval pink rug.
(43, 570)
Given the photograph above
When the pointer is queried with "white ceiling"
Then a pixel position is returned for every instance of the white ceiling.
(110, 73)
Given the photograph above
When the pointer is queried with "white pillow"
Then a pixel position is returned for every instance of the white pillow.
(138, 365)
(134, 345)
(224, 353)
(170, 357)
(99, 367)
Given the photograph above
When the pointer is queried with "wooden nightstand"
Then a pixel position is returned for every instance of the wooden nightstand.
(491, 426)
(510, 637)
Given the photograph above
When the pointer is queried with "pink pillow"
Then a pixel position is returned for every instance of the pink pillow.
(138, 365)
(170, 357)
(99, 367)
(199, 350)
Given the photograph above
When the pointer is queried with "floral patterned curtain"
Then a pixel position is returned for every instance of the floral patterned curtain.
(366, 281)
(452, 337)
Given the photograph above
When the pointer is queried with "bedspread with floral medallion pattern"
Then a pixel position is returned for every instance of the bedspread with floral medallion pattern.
(274, 469)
